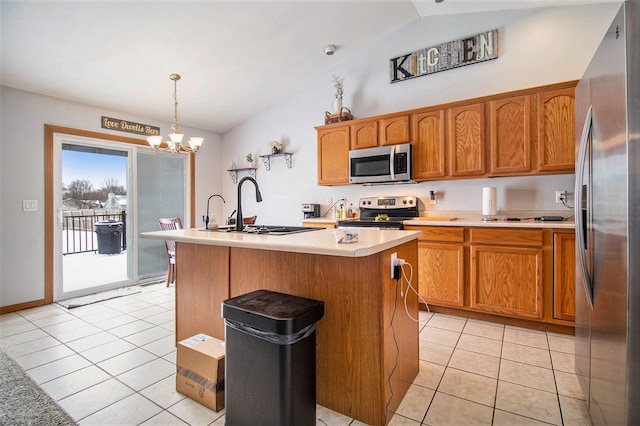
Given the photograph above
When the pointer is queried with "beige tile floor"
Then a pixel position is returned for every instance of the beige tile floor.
(113, 363)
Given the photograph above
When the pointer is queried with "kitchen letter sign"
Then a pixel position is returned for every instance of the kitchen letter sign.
(445, 56)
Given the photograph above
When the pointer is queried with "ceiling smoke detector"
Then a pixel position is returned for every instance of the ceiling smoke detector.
(330, 49)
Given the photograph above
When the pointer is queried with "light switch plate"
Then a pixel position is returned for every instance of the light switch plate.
(29, 205)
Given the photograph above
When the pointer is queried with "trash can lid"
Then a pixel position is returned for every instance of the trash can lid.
(272, 311)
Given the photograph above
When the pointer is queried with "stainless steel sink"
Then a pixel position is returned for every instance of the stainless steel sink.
(267, 229)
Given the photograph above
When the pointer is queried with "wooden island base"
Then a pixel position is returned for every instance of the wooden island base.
(360, 370)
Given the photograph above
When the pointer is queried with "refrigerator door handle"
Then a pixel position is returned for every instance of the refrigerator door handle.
(581, 225)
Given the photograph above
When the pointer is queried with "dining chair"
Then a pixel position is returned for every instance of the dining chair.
(167, 224)
(251, 220)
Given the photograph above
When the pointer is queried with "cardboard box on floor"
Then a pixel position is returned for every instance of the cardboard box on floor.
(200, 376)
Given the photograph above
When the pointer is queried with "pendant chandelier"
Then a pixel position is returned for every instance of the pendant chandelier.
(175, 144)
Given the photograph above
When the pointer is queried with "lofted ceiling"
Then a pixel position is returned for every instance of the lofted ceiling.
(236, 57)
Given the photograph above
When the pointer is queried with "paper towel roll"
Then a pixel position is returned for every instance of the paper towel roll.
(489, 200)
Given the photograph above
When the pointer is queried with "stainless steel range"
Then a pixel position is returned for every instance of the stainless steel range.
(383, 213)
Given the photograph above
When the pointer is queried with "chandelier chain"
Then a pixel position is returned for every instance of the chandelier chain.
(175, 127)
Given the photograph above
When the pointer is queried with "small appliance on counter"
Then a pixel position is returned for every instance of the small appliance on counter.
(311, 210)
(383, 213)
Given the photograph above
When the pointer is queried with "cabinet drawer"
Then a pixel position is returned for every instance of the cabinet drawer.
(439, 233)
(507, 237)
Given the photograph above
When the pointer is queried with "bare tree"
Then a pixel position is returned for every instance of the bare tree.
(78, 191)
(112, 185)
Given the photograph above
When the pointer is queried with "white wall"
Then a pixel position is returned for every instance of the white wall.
(24, 115)
(536, 47)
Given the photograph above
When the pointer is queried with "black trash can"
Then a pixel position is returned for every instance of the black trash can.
(109, 234)
(270, 371)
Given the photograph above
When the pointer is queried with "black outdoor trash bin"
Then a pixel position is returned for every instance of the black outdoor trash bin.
(109, 233)
(270, 371)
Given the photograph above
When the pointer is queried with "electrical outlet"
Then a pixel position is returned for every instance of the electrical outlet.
(394, 257)
(329, 201)
(560, 196)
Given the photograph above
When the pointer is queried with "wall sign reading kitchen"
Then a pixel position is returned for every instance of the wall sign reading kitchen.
(129, 126)
(453, 54)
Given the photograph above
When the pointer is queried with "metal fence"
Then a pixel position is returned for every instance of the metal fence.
(78, 229)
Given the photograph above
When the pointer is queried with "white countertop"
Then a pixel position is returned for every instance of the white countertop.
(474, 219)
(499, 223)
(319, 241)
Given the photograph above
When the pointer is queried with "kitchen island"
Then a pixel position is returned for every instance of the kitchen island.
(367, 346)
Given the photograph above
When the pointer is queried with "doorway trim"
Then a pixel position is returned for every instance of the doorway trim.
(49, 215)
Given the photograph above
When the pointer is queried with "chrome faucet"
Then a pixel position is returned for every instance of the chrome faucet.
(239, 224)
(206, 218)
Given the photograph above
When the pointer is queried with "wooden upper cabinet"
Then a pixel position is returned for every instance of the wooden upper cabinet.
(510, 135)
(466, 136)
(333, 156)
(364, 134)
(525, 132)
(556, 130)
(428, 145)
(394, 130)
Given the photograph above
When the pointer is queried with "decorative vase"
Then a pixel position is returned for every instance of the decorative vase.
(337, 105)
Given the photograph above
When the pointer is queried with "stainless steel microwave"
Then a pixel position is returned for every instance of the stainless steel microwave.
(383, 164)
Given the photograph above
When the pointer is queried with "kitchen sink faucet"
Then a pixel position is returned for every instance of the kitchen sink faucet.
(206, 218)
(239, 224)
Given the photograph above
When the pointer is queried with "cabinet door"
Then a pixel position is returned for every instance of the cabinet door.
(333, 156)
(364, 134)
(441, 273)
(428, 145)
(564, 277)
(394, 130)
(506, 281)
(556, 130)
(510, 135)
(466, 137)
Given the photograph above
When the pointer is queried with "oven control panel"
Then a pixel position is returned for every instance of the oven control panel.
(388, 202)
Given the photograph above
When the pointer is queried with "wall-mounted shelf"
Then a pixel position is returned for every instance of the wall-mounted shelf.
(234, 172)
(266, 159)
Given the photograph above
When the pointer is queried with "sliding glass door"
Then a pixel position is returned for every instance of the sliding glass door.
(101, 209)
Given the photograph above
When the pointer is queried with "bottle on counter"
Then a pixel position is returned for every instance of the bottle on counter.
(213, 223)
(350, 211)
(341, 212)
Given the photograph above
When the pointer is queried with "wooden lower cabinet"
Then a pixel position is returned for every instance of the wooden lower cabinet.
(522, 275)
(506, 281)
(564, 276)
(441, 273)
(441, 259)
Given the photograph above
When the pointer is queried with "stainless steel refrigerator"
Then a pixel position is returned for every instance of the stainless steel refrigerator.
(607, 208)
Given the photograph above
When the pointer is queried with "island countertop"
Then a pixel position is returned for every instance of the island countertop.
(318, 241)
